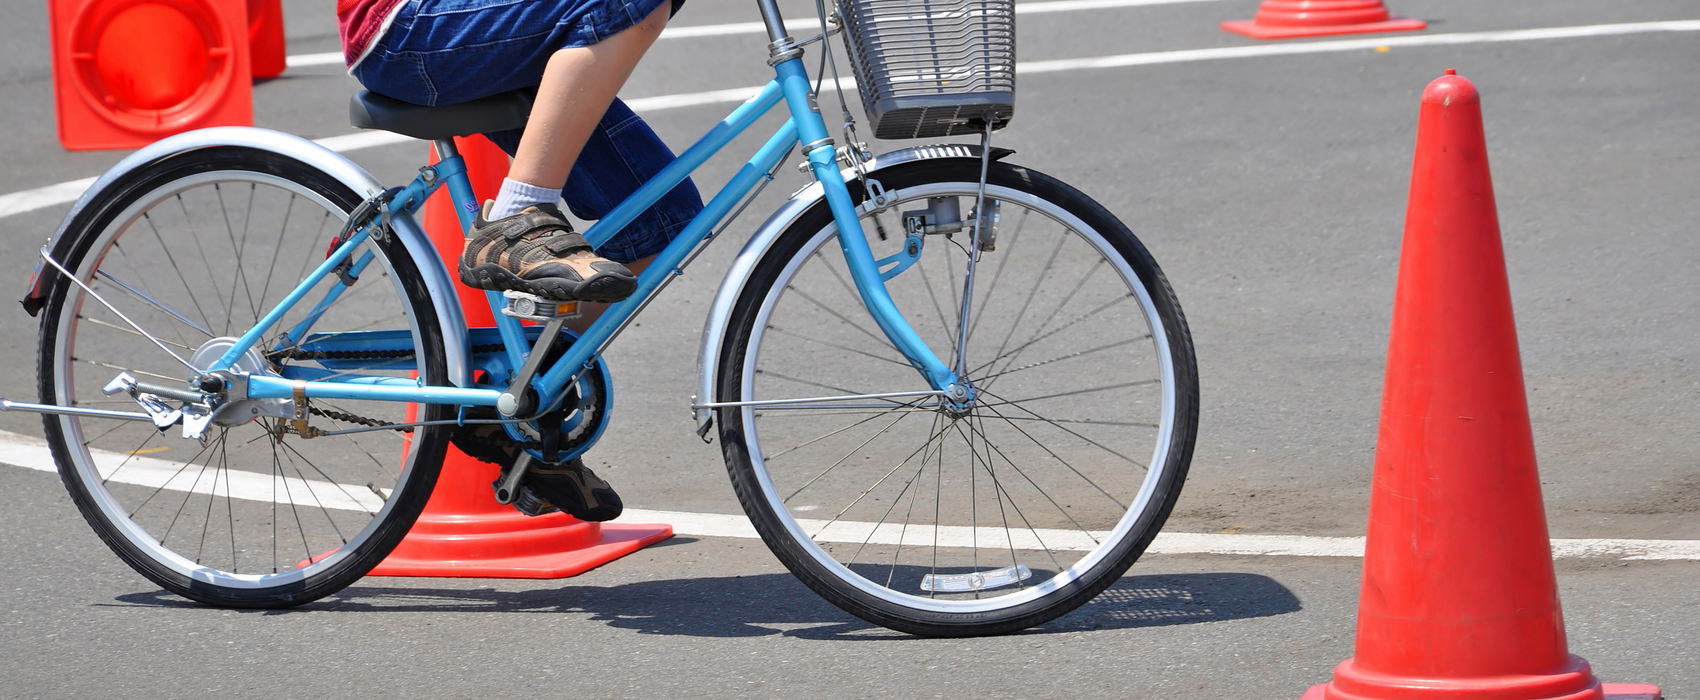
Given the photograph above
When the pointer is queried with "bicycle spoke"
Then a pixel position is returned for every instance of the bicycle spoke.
(327, 479)
(131, 331)
(921, 465)
(814, 440)
(1001, 401)
(147, 293)
(168, 482)
(1042, 492)
(848, 455)
(187, 493)
(1025, 521)
(931, 294)
(1054, 424)
(845, 348)
(308, 485)
(212, 277)
(877, 483)
(1064, 462)
(1044, 274)
(1070, 356)
(997, 494)
(837, 315)
(155, 304)
(998, 274)
(144, 373)
(1014, 354)
(239, 277)
(193, 298)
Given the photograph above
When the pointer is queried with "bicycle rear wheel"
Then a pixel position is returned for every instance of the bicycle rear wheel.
(195, 249)
(940, 521)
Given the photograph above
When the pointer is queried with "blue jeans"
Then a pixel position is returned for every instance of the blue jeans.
(441, 52)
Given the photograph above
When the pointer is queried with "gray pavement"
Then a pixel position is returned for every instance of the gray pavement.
(1272, 192)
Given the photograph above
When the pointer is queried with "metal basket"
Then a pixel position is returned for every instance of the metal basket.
(931, 68)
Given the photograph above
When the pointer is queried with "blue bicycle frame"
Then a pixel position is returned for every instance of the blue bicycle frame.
(805, 126)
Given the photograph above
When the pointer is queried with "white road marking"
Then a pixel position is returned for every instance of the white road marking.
(32, 453)
(31, 200)
(1313, 47)
(117, 467)
(41, 198)
(799, 25)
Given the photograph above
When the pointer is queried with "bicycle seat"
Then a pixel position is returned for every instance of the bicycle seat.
(508, 110)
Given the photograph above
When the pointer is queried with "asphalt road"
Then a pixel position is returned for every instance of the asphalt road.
(1272, 192)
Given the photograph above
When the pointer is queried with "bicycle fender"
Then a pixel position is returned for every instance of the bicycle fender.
(345, 171)
(738, 274)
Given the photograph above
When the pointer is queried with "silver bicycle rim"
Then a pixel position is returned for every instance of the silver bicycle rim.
(806, 533)
(327, 497)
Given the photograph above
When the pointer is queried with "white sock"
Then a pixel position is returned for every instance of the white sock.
(516, 195)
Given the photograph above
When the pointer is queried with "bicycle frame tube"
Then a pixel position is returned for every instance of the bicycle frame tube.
(668, 261)
(854, 243)
(405, 202)
(805, 125)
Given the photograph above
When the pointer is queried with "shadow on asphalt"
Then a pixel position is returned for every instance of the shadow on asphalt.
(767, 604)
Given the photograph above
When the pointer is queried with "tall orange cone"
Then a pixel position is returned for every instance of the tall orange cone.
(127, 73)
(1458, 597)
(1289, 19)
(463, 531)
(267, 50)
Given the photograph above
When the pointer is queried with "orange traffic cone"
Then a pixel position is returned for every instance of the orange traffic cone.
(1458, 598)
(463, 531)
(1288, 19)
(128, 73)
(266, 50)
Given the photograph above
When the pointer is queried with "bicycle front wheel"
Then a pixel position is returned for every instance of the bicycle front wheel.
(194, 250)
(942, 520)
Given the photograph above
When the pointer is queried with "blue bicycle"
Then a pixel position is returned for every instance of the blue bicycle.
(955, 395)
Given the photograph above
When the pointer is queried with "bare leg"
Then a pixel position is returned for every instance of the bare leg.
(578, 85)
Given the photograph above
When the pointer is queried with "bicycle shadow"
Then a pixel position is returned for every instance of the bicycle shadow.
(770, 604)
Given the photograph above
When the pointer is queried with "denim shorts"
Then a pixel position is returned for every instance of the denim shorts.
(442, 52)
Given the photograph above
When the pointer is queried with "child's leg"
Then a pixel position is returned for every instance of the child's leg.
(520, 241)
(578, 85)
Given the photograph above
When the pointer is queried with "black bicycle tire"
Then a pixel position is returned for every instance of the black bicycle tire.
(431, 442)
(930, 623)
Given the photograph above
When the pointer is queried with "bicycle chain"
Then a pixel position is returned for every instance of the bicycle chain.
(357, 420)
(296, 353)
(299, 354)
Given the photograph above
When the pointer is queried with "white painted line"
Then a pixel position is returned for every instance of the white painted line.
(65, 192)
(800, 25)
(31, 200)
(1313, 47)
(32, 453)
(362, 139)
(303, 60)
(1039, 8)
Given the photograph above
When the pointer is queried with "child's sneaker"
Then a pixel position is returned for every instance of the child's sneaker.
(574, 488)
(537, 252)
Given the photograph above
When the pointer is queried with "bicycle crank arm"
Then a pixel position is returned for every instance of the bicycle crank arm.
(507, 491)
(6, 405)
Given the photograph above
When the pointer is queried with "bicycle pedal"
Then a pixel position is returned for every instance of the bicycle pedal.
(531, 307)
(520, 497)
(530, 504)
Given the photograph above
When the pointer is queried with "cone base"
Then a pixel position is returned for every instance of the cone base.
(1611, 691)
(569, 548)
(1261, 31)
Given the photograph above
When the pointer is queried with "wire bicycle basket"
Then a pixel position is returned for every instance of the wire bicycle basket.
(932, 68)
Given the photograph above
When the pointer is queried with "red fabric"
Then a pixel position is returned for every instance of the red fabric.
(358, 21)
